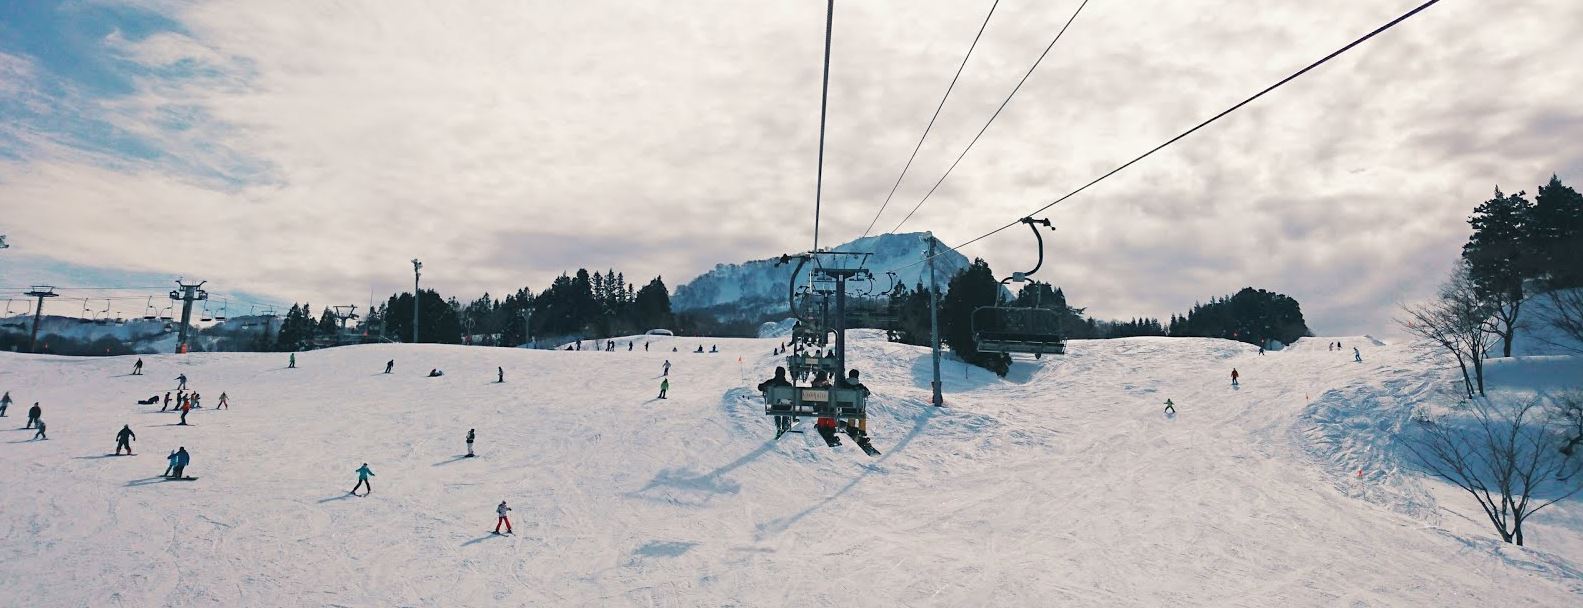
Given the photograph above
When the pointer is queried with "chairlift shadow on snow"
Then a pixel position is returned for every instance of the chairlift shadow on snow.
(776, 526)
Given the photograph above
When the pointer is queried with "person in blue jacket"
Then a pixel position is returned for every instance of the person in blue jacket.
(363, 473)
(182, 458)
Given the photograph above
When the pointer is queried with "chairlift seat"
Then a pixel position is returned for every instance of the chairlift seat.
(1032, 344)
(812, 402)
(801, 365)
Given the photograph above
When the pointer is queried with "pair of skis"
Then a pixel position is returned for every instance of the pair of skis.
(828, 435)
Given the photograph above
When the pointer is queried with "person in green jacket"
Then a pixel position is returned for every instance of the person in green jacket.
(363, 473)
(665, 385)
(292, 363)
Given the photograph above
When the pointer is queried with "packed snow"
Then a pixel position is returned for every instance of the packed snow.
(1060, 485)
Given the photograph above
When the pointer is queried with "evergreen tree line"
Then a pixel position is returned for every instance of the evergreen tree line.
(1254, 316)
(583, 305)
(1520, 247)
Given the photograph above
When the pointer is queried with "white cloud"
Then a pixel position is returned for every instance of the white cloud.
(505, 142)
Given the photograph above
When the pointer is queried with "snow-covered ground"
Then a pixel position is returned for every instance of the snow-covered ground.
(1061, 485)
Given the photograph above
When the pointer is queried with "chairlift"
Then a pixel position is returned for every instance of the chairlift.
(224, 305)
(205, 316)
(16, 322)
(104, 315)
(87, 315)
(148, 311)
(1020, 329)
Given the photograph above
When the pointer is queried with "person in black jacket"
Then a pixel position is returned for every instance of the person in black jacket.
(124, 439)
(32, 415)
(857, 432)
(470, 437)
(782, 423)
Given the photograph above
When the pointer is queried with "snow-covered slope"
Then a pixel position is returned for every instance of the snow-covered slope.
(1061, 485)
(758, 287)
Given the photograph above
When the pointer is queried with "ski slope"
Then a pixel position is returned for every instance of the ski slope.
(1061, 485)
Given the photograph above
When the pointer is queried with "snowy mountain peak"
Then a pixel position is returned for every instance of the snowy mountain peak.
(758, 287)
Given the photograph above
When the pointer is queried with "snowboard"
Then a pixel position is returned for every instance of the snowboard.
(127, 454)
(506, 533)
(181, 479)
(470, 456)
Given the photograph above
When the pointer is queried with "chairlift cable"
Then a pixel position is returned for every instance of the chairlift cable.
(992, 117)
(930, 126)
(1188, 132)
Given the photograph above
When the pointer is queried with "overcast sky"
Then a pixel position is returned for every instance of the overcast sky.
(290, 150)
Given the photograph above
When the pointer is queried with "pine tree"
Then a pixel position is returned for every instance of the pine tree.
(972, 288)
(1556, 229)
(1499, 254)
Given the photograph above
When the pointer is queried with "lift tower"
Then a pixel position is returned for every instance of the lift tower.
(40, 292)
(187, 293)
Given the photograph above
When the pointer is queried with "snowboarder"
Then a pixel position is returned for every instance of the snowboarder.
(137, 368)
(195, 404)
(181, 460)
(700, 349)
(390, 365)
(5, 402)
(435, 373)
(40, 433)
(1357, 357)
(167, 402)
(186, 406)
(470, 436)
(665, 370)
(124, 439)
(32, 415)
(1234, 376)
(645, 347)
(500, 375)
(181, 382)
(363, 473)
(665, 385)
(629, 346)
(825, 426)
(782, 423)
(171, 459)
(225, 403)
(1261, 351)
(1170, 408)
(501, 512)
(292, 362)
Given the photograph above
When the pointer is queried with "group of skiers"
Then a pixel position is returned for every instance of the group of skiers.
(1357, 355)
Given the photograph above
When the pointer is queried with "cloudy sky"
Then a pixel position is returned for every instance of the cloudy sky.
(290, 150)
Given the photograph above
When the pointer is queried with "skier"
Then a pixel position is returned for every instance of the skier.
(292, 362)
(124, 439)
(859, 431)
(1261, 351)
(500, 375)
(363, 473)
(180, 461)
(470, 436)
(645, 347)
(40, 433)
(172, 464)
(665, 385)
(186, 406)
(224, 403)
(825, 426)
(137, 368)
(665, 370)
(32, 415)
(782, 423)
(501, 511)
(5, 402)
(181, 382)
(1357, 356)
(1170, 408)
(629, 346)
(1234, 376)
(390, 365)
(195, 404)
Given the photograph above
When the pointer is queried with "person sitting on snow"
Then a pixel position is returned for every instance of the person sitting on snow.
(435, 373)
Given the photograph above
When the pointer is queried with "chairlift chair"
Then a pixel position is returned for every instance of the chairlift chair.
(149, 313)
(1020, 329)
(816, 402)
(224, 305)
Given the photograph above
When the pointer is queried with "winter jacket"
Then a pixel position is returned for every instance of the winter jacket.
(34, 412)
(182, 458)
(126, 432)
(502, 509)
(364, 473)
